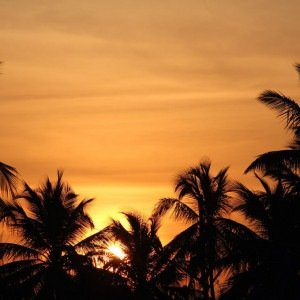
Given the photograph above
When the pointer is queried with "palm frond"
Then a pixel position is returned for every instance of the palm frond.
(289, 179)
(59, 186)
(15, 251)
(166, 271)
(119, 232)
(189, 186)
(220, 196)
(265, 185)
(194, 182)
(251, 206)
(15, 266)
(78, 222)
(286, 107)
(241, 246)
(135, 222)
(98, 240)
(8, 179)
(34, 202)
(70, 198)
(180, 210)
(21, 223)
(238, 286)
(24, 283)
(7, 211)
(237, 229)
(117, 264)
(183, 240)
(163, 206)
(276, 160)
(297, 66)
(31, 232)
(155, 223)
(205, 181)
(143, 240)
(222, 179)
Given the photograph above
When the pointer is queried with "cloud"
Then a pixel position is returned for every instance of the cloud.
(135, 90)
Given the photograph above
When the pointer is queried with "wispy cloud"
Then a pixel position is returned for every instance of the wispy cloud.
(127, 92)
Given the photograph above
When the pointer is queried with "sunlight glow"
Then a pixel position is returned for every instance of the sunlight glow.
(116, 250)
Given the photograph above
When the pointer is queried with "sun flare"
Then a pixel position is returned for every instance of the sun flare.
(116, 250)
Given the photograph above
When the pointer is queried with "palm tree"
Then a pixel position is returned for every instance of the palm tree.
(272, 261)
(289, 111)
(47, 225)
(8, 179)
(203, 201)
(148, 267)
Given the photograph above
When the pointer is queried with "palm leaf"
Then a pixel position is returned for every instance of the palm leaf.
(251, 206)
(289, 179)
(241, 246)
(8, 179)
(78, 223)
(187, 185)
(119, 232)
(24, 283)
(166, 271)
(219, 202)
(7, 211)
(34, 202)
(9, 269)
(96, 241)
(287, 108)
(14, 251)
(297, 66)
(155, 223)
(276, 160)
(180, 210)
(182, 242)
(31, 232)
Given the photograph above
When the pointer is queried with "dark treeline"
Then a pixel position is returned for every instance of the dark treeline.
(45, 254)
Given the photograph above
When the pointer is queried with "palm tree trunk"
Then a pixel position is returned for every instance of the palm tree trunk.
(202, 252)
(212, 288)
(210, 255)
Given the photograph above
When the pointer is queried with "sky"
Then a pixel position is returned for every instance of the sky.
(125, 95)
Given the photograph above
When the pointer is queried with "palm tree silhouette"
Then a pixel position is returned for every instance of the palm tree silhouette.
(288, 110)
(203, 201)
(272, 261)
(148, 267)
(8, 179)
(47, 225)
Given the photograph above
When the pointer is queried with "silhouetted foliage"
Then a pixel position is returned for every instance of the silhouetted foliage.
(8, 179)
(289, 111)
(272, 263)
(149, 269)
(47, 224)
(203, 201)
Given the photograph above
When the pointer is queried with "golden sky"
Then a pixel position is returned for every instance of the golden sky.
(124, 95)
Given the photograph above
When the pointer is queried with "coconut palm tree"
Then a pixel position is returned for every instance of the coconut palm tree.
(272, 262)
(8, 179)
(289, 111)
(149, 268)
(203, 201)
(47, 225)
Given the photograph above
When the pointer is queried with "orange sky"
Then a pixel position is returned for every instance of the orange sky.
(123, 95)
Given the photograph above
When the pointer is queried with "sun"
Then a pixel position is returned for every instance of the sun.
(116, 250)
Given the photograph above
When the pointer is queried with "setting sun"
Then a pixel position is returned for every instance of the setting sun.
(116, 250)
